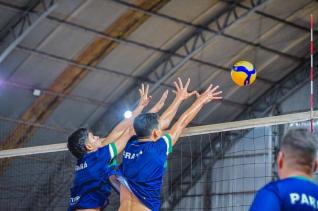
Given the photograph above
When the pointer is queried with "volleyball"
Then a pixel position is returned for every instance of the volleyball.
(243, 73)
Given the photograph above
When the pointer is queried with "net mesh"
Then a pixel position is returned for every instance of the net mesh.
(208, 171)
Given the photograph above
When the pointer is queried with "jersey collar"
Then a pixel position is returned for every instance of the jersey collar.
(303, 178)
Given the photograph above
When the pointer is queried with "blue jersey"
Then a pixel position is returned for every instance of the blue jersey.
(91, 186)
(293, 193)
(143, 168)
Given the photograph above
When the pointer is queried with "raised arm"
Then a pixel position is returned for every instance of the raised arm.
(126, 123)
(209, 95)
(181, 95)
(158, 106)
(121, 142)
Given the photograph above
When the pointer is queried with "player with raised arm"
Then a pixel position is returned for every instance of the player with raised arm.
(145, 155)
(91, 186)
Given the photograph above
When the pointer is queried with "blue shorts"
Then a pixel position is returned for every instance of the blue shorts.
(90, 201)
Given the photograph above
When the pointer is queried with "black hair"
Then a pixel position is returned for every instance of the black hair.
(145, 123)
(301, 148)
(76, 142)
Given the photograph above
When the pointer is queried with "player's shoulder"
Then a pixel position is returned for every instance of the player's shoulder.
(298, 180)
(277, 184)
(165, 138)
(272, 186)
(282, 185)
(133, 140)
(108, 151)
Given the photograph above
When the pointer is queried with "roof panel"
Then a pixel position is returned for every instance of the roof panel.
(125, 58)
(98, 14)
(303, 18)
(98, 85)
(217, 112)
(19, 3)
(251, 28)
(277, 68)
(44, 136)
(38, 72)
(5, 16)
(221, 51)
(66, 42)
(11, 63)
(14, 101)
(70, 114)
(65, 8)
(279, 8)
(40, 33)
(160, 32)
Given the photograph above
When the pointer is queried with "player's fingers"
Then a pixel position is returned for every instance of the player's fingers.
(215, 88)
(165, 95)
(217, 93)
(142, 87)
(180, 83)
(209, 88)
(187, 84)
(147, 89)
(176, 85)
(174, 91)
(140, 92)
(193, 93)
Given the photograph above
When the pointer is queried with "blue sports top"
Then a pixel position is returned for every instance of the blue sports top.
(143, 167)
(91, 178)
(293, 193)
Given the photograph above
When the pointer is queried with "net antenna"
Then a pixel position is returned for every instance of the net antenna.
(311, 73)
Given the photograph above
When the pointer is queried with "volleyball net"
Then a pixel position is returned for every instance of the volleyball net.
(212, 167)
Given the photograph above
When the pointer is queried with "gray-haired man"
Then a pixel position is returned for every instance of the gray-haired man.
(297, 162)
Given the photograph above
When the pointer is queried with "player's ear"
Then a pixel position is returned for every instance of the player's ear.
(280, 159)
(89, 147)
(316, 165)
(156, 134)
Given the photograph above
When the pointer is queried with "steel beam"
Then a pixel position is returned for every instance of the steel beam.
(210, 30)
(27, 22)
(167, 65)
(199, 40)
(133, 43)
(62, 96)
(88, 67)
(34, 124)
(275, 18)
(260, 108)
(44, 106)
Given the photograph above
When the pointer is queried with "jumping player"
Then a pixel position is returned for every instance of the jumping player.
(145, 155)
(91, 186)
(296, 190)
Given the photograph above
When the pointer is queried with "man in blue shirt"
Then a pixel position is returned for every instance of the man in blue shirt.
(297, 162)
(145, 155)
(95, 157)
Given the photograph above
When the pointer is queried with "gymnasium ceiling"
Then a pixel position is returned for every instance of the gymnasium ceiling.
(89, 56)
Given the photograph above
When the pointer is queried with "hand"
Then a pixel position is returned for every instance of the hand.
(182, 92)
(144, 98)
(209, 94)
(160, 103)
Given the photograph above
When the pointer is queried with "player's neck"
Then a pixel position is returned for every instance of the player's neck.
(146, 139)
(296, 173)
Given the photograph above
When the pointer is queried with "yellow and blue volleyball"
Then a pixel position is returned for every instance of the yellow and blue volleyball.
(243, 73)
